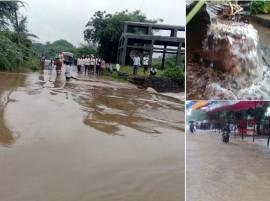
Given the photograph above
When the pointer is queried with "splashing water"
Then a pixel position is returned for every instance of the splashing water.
(232, 49)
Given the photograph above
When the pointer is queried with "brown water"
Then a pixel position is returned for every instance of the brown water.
(239, 67)
(220, 172)
(88, 140)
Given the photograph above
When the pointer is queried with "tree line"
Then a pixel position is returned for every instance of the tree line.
(102, 33)
(15, 39)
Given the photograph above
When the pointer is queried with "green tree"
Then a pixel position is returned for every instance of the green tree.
(51, 49)
(105, 30)
(15, 43)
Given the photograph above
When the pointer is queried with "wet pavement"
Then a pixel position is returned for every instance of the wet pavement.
(88, 140)
(220, 172)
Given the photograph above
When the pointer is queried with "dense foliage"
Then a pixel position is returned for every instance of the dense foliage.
(261, 7)
(175, 73)
(197, 115)
(50, 50)
(171, 70)
(15, 40)
(105, 30)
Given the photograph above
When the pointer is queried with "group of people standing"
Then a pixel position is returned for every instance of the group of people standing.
(91, 64)
(145, 61)
(58, 63)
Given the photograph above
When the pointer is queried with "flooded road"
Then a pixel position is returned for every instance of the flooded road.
(88, 140)
(221, 172)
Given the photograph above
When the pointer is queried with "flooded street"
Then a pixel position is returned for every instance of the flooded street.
(221, 172)
(88, 140)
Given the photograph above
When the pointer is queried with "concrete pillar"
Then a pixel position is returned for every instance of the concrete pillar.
(163, 57)
(125, 28)
(173, 32)
(151, 52)
(178, 57)
(149, 30)
(124, 52)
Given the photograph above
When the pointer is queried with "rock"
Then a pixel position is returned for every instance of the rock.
(150, 89)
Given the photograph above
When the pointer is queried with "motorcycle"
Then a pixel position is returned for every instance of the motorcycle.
(192, 128)
(226, 136)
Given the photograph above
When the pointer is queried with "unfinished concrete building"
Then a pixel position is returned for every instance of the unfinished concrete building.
(149, 38)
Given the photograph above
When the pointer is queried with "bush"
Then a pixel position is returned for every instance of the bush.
(11, 55)
(261, 7)
(175, 73)
(33, 64)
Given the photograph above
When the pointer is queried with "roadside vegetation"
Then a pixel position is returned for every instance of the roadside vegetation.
(261, 7)
(16, 52)
(19, 50)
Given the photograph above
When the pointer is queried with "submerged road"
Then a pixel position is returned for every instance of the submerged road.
(90, 140)
(238, 171)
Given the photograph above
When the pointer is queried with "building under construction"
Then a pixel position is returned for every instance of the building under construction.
(149, 38)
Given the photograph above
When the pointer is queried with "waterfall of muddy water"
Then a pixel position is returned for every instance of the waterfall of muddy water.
(233, 67)
(88, 140)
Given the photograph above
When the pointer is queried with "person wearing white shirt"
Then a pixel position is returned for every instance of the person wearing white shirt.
(92, 64)
(136, 64)
(145, 63)
(153, 71)
(87, 64)
(117, 66)
(79, 64)
(68, 72)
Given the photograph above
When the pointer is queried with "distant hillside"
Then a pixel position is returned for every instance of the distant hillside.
(51, 49)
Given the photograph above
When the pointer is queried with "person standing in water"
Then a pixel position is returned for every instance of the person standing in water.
(98, 66)
(42, 63)
(58, 65)
(136, 64)
(102, 66)
(68, 72)
(87, 64)
(79, 64)
(92, 64)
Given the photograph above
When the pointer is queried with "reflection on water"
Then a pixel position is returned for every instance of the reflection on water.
(90, 140)
(108, 109)
(8, 83)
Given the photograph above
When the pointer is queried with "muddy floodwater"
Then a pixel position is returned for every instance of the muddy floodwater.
(90, 140)
(236, 171)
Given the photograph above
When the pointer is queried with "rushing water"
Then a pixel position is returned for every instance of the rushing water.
(235, 66)
(221, 172)
(88, 140)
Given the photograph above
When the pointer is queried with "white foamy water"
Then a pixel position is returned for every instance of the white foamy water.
(233, 48)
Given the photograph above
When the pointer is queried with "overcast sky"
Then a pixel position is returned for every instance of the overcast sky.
(51, 20)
